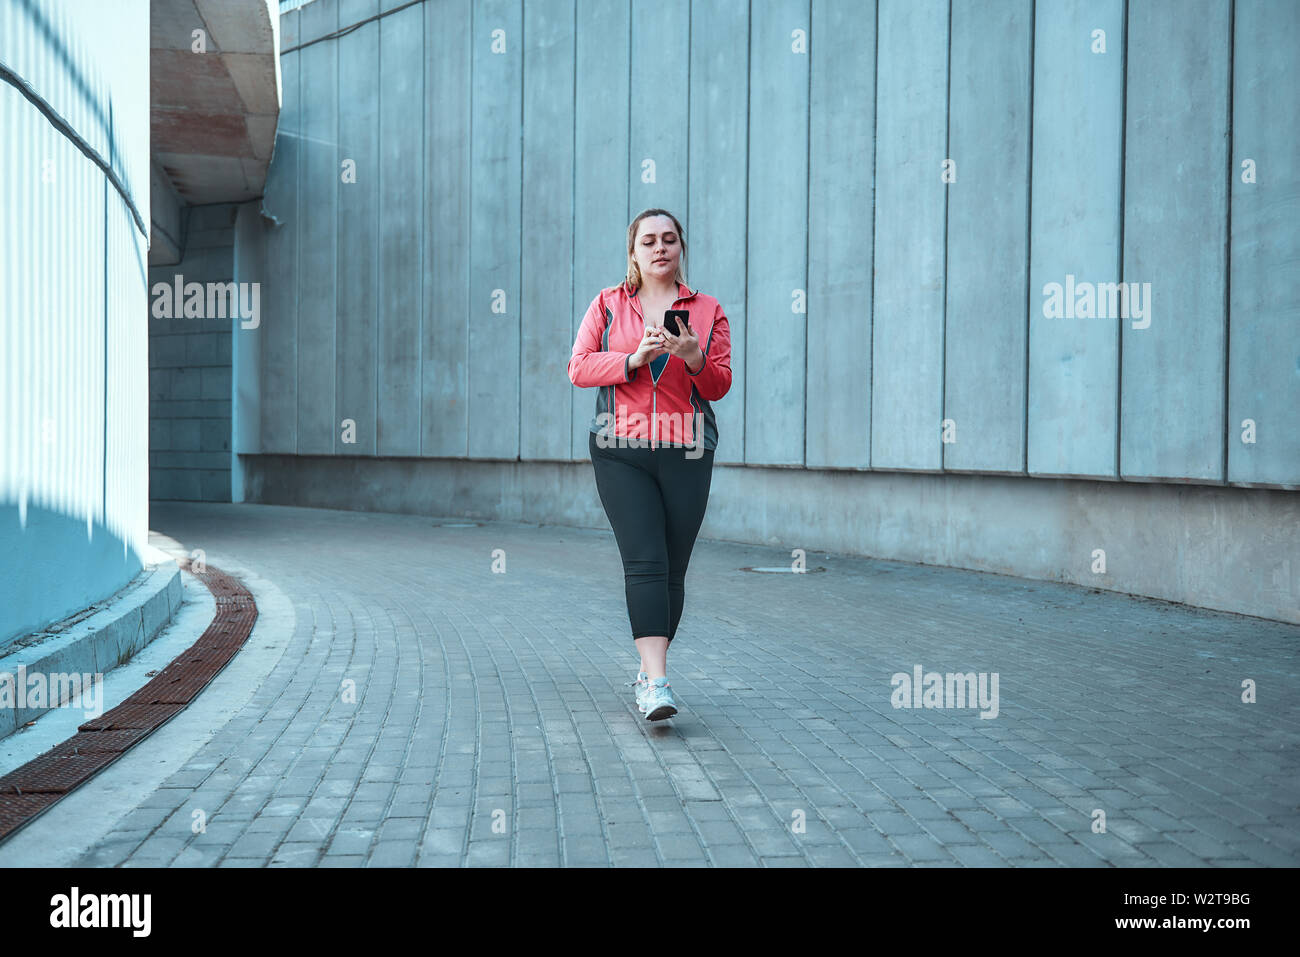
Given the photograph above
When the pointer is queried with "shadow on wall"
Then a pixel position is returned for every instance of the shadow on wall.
(52, 566)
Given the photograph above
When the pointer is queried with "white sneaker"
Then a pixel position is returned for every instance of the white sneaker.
(641, 684)
(657, 702)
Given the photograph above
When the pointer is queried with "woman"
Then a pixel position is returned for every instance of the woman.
(654, 432)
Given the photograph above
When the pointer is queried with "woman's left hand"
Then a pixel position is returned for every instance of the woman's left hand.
(686, 346)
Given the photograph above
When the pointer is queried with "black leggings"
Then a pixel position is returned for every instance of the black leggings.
(655, 501)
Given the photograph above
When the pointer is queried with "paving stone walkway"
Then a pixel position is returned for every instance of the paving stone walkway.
(428, 709)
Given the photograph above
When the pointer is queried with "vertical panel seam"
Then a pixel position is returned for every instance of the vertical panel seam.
(426, 281)
(749, 85)
(943, 317)
(689, 58)
(807, 209)
(104, 450)
(627, 160)
(875, 130)
(297, 228)
(1029, 242)
(338, 208)
(304, 121)
(1225, 477)
(573, 221)
(1123, 166)
(469, 252)
(519, 258)
(424, 236)
(377, 241)
(379, 223)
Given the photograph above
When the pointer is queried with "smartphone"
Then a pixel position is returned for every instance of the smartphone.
(671, 316)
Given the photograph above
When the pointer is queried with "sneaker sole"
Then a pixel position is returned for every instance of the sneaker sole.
(661, 712)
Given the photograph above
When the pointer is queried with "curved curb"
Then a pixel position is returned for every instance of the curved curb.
(29, 790)
(97, 639)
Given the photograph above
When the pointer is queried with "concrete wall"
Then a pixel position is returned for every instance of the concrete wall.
(190, 367)
(889, 310)
(925, 302)
(246, 343)
(74, 213)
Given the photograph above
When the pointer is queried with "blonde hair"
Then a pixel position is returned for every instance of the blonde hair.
(633, 277)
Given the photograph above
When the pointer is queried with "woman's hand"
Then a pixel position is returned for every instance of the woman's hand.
(651, 348)
(686, 346)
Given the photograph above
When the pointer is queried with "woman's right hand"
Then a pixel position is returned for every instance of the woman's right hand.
(651, 348)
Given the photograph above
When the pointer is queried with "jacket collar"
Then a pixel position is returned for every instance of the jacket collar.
(685, 291)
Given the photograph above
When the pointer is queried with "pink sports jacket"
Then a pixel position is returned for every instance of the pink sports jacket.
(670, 409)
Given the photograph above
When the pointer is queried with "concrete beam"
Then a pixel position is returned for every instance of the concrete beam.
(213, 109)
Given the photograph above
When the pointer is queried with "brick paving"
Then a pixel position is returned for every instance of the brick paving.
(492, 724)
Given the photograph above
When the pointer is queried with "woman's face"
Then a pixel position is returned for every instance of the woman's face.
(657, 248)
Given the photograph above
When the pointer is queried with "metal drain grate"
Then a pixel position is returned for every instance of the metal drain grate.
(29, 790)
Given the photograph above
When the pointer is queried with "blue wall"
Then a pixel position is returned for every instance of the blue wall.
(74, 209)
(502, 147)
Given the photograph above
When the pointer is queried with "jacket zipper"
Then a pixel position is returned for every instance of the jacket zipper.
(654, 386)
